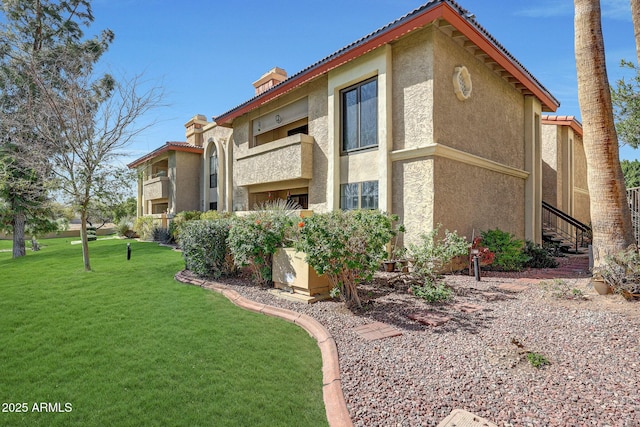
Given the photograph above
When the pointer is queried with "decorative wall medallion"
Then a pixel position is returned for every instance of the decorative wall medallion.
(462, 83)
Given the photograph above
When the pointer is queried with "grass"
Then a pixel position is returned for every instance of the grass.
(126, 345)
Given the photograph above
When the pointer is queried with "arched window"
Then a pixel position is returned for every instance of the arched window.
(213, 169)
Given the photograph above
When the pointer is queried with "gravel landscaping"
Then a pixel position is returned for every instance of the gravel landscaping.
(477, 360)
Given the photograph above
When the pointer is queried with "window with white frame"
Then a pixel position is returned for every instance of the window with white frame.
(359, 121)
(359, 195)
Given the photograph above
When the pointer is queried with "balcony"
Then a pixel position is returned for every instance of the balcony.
(156, 188)
(285, 159)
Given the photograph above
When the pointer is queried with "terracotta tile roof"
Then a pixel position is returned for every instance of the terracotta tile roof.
(168, 146)
(570, 121)
(449, 10)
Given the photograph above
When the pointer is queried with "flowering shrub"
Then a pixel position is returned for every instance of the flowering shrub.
(347, 246)
(484, 254)
(432, 254)
(204, 247)
(254, 238)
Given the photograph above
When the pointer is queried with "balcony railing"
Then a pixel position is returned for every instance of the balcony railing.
(285, 159)
(156, 188)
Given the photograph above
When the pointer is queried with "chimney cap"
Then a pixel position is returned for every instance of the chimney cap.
(198, 118)
(276, 73)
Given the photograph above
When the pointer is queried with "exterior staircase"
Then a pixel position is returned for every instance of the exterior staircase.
(561, 229)
(633, 198)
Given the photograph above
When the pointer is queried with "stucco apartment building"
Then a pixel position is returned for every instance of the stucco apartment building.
(429, 118)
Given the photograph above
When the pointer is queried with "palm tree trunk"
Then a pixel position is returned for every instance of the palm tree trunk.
(19, 221)
(610, 215)
(635, 17)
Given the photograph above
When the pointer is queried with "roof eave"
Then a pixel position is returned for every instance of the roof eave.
(441, 10)
(569, 121)
(164, 149)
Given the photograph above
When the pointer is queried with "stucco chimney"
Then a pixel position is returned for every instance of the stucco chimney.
(194, 129)
(268, 80)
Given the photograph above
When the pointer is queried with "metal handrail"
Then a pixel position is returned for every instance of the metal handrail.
(565, 225)
(633, 198)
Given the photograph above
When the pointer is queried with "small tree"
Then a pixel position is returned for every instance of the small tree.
(433, 252)
(86, 126)
(347, 246)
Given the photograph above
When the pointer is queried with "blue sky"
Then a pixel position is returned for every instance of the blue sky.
(207, 53)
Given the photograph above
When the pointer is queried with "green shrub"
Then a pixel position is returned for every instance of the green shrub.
(347, 246)
(537, 360)
(143, 226)
(204, 248)
(432, 254)
(254, 238)
(215, 215)
(179, 219)
(508, 250)
(161, 235)
(433, 293)
(124, 227)
(91, 233)
(539, 257)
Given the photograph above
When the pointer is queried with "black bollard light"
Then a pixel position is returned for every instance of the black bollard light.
(476, 267)
(128, 251)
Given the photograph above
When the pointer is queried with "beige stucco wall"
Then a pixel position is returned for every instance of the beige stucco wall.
(564, 171)
(184, 173)
(318, 129)
(551, 139)
(413, 90)
(457, 191)
(490, 123)
(412, 196)
(469, 198)
(581, 205)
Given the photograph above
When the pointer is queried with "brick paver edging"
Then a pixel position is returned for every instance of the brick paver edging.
(335, 405)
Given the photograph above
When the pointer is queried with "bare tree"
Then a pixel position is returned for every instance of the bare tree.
(610, 215)
(85, 123)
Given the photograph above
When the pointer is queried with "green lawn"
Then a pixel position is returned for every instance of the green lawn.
(126, 345)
